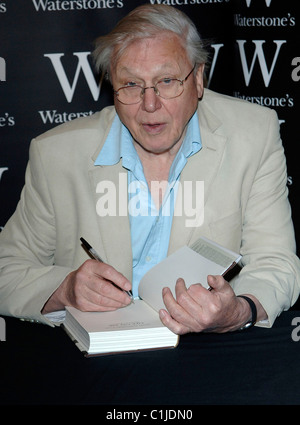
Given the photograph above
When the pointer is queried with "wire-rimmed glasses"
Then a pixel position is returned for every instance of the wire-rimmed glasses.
(167, 88)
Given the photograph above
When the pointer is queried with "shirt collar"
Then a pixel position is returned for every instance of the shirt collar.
(118, 144)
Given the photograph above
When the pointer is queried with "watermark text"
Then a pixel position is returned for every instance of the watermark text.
(164, 198)
(2, 329)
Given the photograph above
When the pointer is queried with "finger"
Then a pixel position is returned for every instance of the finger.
(99, 297)
(191, 299)
(173, 325)
(111, 283)
(111, 294)
(199, 294)
(198, 302)
(182, 296)
(95, 301)
(93, 291)
(182, 293)
(217, 283)
(183, 310)
(111, 274)
(168, 298)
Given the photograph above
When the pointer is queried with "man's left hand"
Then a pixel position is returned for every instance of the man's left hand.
(198, 309)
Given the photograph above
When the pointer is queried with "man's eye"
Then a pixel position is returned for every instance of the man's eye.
(167, 81)
(131, 84)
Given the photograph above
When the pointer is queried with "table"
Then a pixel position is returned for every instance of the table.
(40, 365)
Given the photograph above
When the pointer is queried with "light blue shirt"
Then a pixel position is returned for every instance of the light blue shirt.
(150, 229)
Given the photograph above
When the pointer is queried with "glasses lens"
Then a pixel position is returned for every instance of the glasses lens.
(129, 95)
(169, 88)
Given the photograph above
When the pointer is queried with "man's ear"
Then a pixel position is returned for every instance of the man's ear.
(200, 80)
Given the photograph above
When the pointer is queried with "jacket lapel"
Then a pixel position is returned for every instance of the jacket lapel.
(109, 186)
(201, 167)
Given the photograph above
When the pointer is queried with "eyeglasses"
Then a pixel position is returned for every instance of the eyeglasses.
(168, 88)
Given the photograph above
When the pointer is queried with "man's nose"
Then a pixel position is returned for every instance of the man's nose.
(150, 100)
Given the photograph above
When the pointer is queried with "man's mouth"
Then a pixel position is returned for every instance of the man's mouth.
(153, 128)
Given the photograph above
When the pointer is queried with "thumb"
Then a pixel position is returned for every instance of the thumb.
(215, 282)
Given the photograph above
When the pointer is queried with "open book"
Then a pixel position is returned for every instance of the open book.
(137, 326)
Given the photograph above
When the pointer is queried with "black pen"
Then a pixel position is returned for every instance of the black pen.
(97, 257)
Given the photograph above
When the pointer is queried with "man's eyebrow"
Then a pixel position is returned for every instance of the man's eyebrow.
(167, 68)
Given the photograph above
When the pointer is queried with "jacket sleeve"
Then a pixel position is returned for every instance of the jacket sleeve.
(271, 269)
(28, 275)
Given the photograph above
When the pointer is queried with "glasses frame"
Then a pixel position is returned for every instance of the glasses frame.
(143, 89)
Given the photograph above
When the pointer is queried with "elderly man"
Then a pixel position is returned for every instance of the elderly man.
(164, 127)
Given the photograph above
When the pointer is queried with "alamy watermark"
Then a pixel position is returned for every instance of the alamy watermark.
(2, 69)
(296, 330)
(2, 329)
(180, 199)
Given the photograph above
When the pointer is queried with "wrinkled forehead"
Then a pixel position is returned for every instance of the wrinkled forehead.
(163, 50)
(160, 44)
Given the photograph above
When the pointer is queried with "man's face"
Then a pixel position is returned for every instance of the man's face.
(157, 125)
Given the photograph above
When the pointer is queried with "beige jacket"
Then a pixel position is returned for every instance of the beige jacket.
(246, 209)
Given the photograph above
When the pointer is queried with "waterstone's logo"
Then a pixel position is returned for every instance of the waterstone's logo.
(83, 67)
(259, 54)
(161, 199)
(66, 5)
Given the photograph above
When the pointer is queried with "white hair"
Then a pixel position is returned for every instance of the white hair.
(148, 21)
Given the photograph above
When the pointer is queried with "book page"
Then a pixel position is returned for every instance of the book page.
(214, 252)
(136, 315)
(184, 263)
(187, 264)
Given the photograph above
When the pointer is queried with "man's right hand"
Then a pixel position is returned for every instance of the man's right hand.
(94, 286)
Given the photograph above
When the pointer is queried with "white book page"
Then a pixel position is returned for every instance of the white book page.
(184, 263)
(193, 264)
(136, 315)
(216, 253)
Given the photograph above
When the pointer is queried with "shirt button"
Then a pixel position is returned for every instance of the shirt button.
(148, 258)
